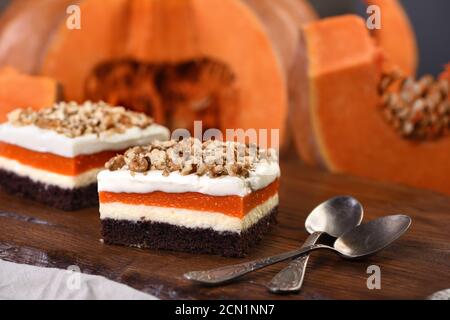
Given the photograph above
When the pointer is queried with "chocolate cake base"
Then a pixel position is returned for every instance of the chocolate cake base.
(65, 199)
(156, 235)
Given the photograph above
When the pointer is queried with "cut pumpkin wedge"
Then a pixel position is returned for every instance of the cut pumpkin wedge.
(19, 90)
(345, 130)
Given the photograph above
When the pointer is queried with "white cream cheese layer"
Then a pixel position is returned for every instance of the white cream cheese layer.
(187, 218)
(42, 140)
(49, 178)
(123, 181)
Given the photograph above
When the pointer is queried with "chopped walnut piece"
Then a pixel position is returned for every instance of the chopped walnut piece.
(164, 145)
(138, 164)
(201, 169)
(187, 169)
(14, 116)
(217, 170)
(115, 163)
(158, 159)
(234, 169)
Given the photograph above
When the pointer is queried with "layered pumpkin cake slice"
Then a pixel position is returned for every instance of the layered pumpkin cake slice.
(54, 155)
(211, 197)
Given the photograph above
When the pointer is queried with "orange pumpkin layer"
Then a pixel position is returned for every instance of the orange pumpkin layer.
(54, 163)
(230, 205)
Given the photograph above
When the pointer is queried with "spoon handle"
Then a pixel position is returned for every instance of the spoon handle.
(227, 273)
(291, 278)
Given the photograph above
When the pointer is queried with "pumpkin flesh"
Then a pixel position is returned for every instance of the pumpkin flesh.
(29, 91)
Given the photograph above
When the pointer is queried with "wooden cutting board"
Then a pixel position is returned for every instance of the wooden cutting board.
(415, 266)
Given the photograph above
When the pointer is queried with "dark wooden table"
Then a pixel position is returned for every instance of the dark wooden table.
(415, 266)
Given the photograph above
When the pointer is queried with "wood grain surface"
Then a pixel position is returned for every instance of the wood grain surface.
(414, 267)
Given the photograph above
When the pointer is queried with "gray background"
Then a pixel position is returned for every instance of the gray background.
(429, 18)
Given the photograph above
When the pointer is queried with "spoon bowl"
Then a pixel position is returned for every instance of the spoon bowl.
(371, 237)
(335, 216)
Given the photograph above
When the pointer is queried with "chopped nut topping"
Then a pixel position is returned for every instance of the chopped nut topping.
(417, 109)
(73, 120)
(115, 163)
(191, 156)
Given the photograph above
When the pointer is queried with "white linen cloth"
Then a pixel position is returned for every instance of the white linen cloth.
(20, 281)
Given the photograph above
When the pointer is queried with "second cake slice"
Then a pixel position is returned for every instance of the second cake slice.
(53, 155)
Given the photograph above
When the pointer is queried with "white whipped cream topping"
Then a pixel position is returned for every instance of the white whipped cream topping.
(123, 181)
(49, 178)
(187, 218)
(43, 140)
